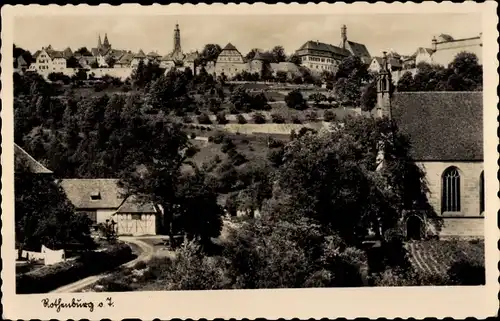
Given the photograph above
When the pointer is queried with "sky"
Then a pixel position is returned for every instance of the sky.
(403, 33)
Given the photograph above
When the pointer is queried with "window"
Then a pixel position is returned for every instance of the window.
(451, 190)
(92, 215)
(136, 217)
(481, 193)
(95, 196)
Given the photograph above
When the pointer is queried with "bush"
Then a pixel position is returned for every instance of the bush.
(259, 118)
(466, 272)
(295, 100)
(221, 118)
(277, 118)
(241, 119)
(227, 145)
(204, 119)
(218, 137)
(192, 135)
(312, 116)
(296, 120)
(186, 119)
(51, 277)
(329, 116)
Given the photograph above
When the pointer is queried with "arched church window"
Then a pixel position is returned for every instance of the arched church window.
(451, 190)
(481, 193)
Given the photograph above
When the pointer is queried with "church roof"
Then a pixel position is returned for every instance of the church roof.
(358, 49)
(153, 54)
(126, 58)
(442, 126)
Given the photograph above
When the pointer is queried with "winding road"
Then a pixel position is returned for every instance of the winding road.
(146, 254)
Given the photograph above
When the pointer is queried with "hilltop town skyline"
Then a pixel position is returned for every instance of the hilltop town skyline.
(407, 32)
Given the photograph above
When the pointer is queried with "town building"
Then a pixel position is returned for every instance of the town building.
(48, 61)
(104, 201)
(319, 56)
(444, 49)
(446, 135)
(393, 64)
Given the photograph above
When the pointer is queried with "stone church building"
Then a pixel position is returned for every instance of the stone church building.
(446, 134)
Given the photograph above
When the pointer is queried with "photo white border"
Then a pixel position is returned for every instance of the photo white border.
(417, 302)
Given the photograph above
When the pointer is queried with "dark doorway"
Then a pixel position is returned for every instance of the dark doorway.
(414, 228)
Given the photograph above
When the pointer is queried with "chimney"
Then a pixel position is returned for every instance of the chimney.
(434, 44)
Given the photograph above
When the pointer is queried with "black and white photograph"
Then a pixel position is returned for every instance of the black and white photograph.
(179, 153)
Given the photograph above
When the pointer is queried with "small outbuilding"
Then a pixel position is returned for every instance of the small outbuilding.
(136, 218)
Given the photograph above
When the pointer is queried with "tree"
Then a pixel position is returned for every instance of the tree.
(369, 96)
(295, 59)
(83, 51)
(200, 216)
(110, 61)
(210, 53)
(406, 82)
(334, 179)
(278, 54)
(295, 100)
(281, 76)
(251, 54)
(44, 216)
(154, 168)
(318, 98)
(72, 62)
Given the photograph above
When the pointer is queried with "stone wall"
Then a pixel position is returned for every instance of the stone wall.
(470, 173)
(463, 227)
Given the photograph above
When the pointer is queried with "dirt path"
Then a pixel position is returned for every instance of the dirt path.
(145, 255)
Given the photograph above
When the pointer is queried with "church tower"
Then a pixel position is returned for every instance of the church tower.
(384, 83)
(99, 42)
(106, 44)
(343, 36)
(177, 39)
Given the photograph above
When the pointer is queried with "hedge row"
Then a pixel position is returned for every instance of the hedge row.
(51, 277)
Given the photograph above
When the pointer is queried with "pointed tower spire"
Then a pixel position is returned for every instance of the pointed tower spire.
(106, 42)
(99, 42)
(384, 89)
(177, 39)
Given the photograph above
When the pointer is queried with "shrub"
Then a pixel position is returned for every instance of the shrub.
(312, 116)
(329, 116)
(295, 100)
(192, 135)
(241, 119)
(186, 119)
(204, 119)
(233, 110)
(296, 120)
(218, 137)
(259, 118)
(277, 118)
(141, 265)
(221, 118)
(227, 145)
(466, 272)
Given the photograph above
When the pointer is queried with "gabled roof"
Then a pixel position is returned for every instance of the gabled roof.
(140, 54)
(324, 47)
(229, 46)
(423, 50)
(192, 56)
(53, 54)
(133, 205)
(80, 192)
(358, 49)
(153, 54)
(442, 126)
(67, 53)
(125, 59)
(21, 61)
(27, 161)
(35, 55)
